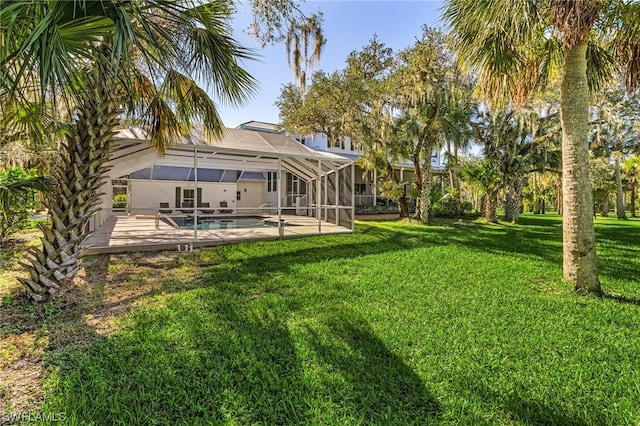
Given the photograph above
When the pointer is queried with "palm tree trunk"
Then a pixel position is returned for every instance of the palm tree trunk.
(579, 249)
(536, 196)
(75, 198)
(403, 205)
(456, 180)
(512, 200)
(619, 191)
(491, 207)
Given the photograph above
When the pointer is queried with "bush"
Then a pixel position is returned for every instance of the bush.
(120, 201)
(444, 208)
(19, 205)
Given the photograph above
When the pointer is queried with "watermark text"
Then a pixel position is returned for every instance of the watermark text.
(31, 417)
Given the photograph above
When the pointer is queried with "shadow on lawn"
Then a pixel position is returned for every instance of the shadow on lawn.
(185, 365)
(526, 410)
(376, 385)
(621, 298)
(537, 238)
(219, 358)
(213, 357)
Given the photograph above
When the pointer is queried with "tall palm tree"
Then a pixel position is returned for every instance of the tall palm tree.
(514, 45)
(484, 174)
(103, 60)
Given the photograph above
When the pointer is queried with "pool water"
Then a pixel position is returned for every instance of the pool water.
(244, 222)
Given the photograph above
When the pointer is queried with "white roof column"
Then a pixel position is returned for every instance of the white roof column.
(353, 196)
(195, 204)
(279, 180)
(318, 195)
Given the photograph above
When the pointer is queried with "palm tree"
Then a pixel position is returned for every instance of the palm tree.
(457, 133)
(102, 60)
(514, 45)
(485, 175)
(631, 168)
(616, 131)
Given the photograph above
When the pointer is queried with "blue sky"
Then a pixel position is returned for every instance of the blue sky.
(348, 26)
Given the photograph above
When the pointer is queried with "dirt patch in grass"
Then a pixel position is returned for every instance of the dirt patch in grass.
(21, 371)
(9, 243)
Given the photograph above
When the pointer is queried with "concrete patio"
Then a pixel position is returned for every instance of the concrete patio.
(139, 233)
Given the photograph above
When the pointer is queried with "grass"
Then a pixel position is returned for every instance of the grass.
(455, 323)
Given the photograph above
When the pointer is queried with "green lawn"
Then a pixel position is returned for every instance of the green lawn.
(455, 323)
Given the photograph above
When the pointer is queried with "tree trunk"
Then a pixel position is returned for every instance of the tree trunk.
(491, 207)
(536, 197)
(425, 195)
(417, 171)
(512, 200)
(619, 191)
(578, 234)
(456, 182)
(449, 166)
(75, 197)
(604, 206)
(632, 204)
(403, 205)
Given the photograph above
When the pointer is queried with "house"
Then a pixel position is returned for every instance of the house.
(246, 172)
(365, 184)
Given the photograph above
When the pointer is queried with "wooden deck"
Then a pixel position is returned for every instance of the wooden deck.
(139, 233)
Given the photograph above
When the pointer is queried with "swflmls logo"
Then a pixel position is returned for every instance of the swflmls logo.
(9, 418)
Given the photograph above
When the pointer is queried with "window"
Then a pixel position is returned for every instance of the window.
(272, 182)
(120, 194)
(360, 188)
(188, 195)
(238, 195)
(142, 174)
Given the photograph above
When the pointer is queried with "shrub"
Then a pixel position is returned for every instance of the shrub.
(120, 201)
(18, 204)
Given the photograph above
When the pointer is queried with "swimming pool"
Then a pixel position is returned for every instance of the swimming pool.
(236, 222)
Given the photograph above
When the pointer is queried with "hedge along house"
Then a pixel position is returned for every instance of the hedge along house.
(256, 184)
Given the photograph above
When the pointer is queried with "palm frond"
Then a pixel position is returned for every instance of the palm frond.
(601, 63)
(162, 126)
(496, 40)
(192, 105)
(628, 44)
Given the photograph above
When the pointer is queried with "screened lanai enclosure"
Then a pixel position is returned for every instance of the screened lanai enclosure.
(247, 185)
